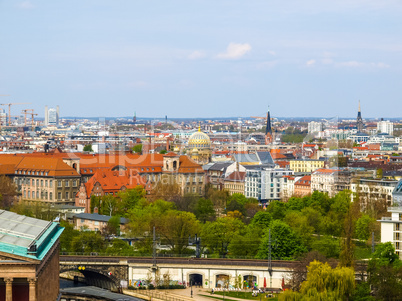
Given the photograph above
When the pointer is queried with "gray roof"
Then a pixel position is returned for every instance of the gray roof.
(246, 158)
(99, 217)
(27, 236)
(398, 188)
(265, 157)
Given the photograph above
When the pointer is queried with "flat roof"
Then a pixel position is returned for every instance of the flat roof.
(26, 236)
(98, 292)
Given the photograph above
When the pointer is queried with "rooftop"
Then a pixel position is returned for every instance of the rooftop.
(26, 236)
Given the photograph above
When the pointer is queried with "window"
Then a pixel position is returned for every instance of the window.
(397, 227)
(41, 183)
(50, 183)
(25, 194)
(50, 195)
(29, 194)
(75, 183)
(67, 183)
(67, 195)
(59, 195)
(59, 184)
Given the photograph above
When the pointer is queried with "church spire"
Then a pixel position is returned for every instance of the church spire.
(359, 120)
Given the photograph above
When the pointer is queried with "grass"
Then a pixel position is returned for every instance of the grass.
(241, 295)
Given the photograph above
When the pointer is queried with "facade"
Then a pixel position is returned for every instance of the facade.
(199, 147)
(330, 181)
(315, 127)
(303, 186)
(385, 126)
(306, 165)
(265, 184)
(235, 182)
(397, 194)
(51, 116)
(47, 180)
(108, 182)
(371, 190)
(29, 258)
(95, 222)
(391, 229)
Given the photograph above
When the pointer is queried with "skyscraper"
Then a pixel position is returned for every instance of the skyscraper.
(359, 120)
(52, 116)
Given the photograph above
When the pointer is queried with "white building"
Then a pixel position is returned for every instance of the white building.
(3, 117)
(391, 229)
(265, 184)
(51, 116)
(314, 127)
(385, 126)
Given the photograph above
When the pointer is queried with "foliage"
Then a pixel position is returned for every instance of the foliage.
(364, 227)
(137, 149)
(87, 242)
(88, 148)
(8, 192)
(262, 219)
(286, 244)
(120, 248)
(163, 151)
(204, 210)
(324, 283)
(327, 246)
(112, 227)
(217, 235)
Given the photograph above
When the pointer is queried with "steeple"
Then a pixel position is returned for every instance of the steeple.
(359, 120)
(268, 129)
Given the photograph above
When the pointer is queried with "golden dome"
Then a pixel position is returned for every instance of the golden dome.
(199, 140)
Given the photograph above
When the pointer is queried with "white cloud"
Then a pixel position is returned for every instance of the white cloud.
(196, 55)
(271, 52)
(310, 62)
(351, 64)
(26, 5)
(234, 51)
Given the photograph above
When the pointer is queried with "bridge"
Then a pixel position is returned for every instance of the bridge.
(114, 272)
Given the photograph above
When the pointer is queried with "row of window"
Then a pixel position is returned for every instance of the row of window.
(28, 172)
(44, 195)
(44, 183)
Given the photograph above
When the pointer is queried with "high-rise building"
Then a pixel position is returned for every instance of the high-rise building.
(315, 127)
(385, 126)
(359, 120)
(51, 116)
(3, 117)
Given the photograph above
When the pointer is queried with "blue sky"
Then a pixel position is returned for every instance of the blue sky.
(196, 58)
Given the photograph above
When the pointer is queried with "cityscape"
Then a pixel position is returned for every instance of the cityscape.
(198, 150)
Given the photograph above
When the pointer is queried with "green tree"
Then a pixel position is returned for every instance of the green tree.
(327, 246)
(286, 244)
(277, 209)
(301, 226)
(262, 219)
(163, 151)
(364, 227)
(176, 227)
(245, 242)
(112, 227)
(120, 248)
(88, 148)
(324, 283)
(130, 198)
(87, 242)
(8, 192)
(137, 149)
(385, 272)
(67, 236)
(217, 235)
(204, 210)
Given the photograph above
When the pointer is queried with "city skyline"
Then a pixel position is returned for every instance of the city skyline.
(203, 59)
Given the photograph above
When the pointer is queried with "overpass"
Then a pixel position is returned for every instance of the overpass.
(113, 272)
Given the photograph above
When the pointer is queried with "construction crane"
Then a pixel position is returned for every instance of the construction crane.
(9, 108)
(26, 112)
(32, 119)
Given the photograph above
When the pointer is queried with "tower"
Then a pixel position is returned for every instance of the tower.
(135, 118)
(268, 130)
(46, 116)
(359, 120)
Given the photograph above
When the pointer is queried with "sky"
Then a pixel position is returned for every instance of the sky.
(193, 58)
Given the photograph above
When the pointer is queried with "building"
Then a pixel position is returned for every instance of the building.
(391, 229)
(95, 222)
(397, 194)
(3, 117)
(330, 181)
(51, 116)
(359, 121)
(385, 126)
(29, 258)
(306, 165)
(264, 183)
(303, 186)
(199, 147)
(235, 182)
(371, 190)
(108, 182)
(315, 127)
